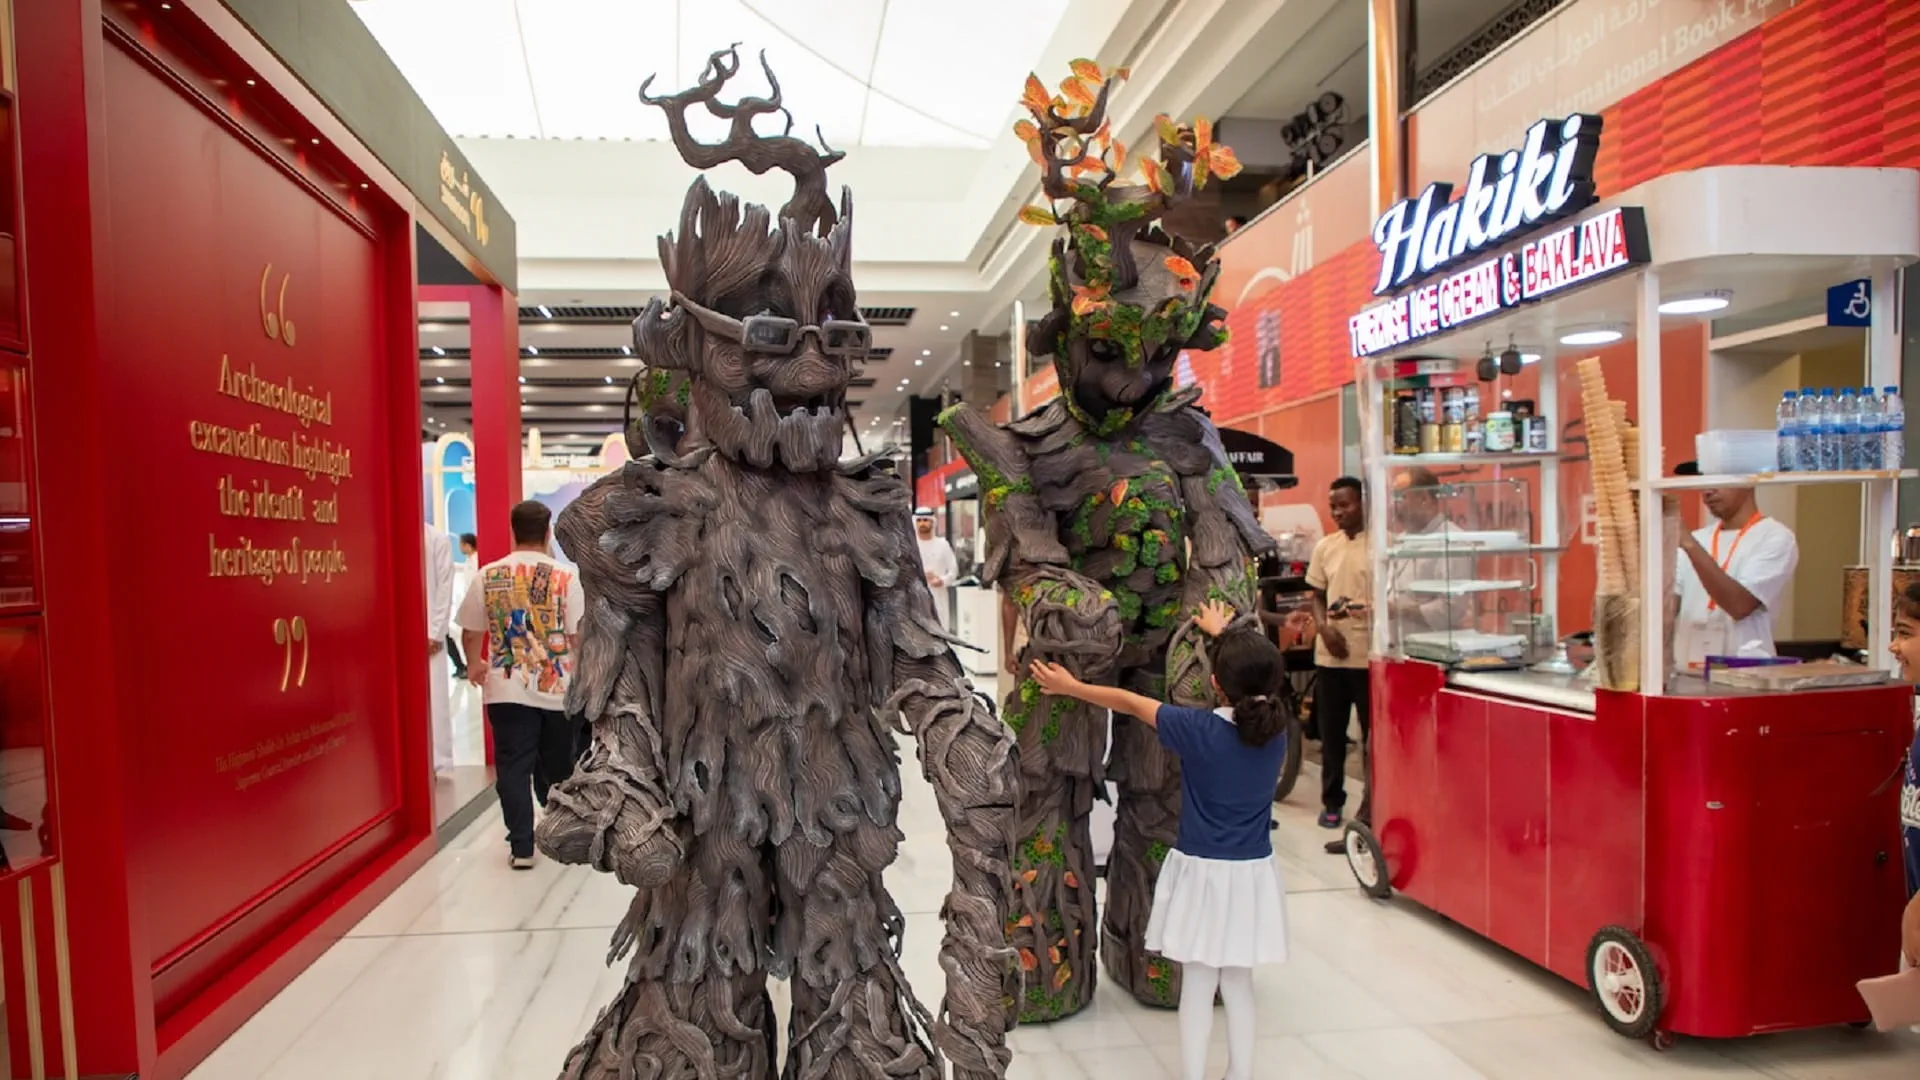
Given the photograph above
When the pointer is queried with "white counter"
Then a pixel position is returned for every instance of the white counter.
(1559, 691)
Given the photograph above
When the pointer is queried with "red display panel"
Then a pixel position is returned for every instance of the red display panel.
(242, 340)
(19, 589)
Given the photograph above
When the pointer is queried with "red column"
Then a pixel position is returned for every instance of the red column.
(61, 91)
(494, 336)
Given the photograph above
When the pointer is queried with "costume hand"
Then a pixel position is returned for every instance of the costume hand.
(1214, 618)
(1054, 679)
(1335, 641)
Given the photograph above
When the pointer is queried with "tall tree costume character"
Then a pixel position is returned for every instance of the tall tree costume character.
(1111, 514)
(757, 628)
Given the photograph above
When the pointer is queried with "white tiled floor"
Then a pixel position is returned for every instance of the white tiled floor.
(473, 972)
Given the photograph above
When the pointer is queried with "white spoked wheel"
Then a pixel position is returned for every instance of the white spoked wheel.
(1625, 983)
(1364, 858)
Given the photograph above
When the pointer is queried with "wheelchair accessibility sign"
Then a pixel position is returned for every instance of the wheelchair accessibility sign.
(1850, 304)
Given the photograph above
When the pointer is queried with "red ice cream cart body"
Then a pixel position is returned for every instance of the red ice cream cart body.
(1715, 827)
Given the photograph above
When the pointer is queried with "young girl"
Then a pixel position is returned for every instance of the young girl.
(1219, 908)
(1906, 649)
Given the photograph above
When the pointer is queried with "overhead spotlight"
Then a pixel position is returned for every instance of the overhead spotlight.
(1488, 369)
(953, 314)
(545, 311)
(609, 378)
(250, 82)
(926, 352)
(1698, 303)
(438, 351)
(1591, 335)
(1529, 357)
(316, 142)
(442, 380)
(943, 327)
(523, 380)
(917, 363)
(626, 350)
(533, 350)
(363, 185)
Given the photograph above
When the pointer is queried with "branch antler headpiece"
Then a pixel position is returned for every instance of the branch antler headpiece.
(810, 209)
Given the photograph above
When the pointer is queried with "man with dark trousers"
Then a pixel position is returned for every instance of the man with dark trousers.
(525, 610)
(1340, 573)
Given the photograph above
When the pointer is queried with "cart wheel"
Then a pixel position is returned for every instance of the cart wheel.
(1626, 985)
(1290, 767)
(1369, 866)
(1662, 1041)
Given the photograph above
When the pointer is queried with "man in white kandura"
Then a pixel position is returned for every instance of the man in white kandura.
(1730, 577)
(439, 616)
(937, 559)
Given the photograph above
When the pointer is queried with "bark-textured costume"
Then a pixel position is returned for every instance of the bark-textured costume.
(1111, 515)
(758, 626)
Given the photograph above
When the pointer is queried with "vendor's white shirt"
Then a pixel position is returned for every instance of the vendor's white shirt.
(937, 558)
(1763, 563)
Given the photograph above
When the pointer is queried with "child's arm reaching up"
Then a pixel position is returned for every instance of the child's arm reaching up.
(1055, 680)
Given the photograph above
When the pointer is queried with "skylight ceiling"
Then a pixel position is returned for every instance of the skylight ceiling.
(866, 72)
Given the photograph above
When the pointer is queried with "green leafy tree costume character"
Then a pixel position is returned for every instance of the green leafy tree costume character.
(1111, 515)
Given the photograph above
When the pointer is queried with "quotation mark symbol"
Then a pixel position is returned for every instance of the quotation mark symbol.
(289, 634)
(274, 319)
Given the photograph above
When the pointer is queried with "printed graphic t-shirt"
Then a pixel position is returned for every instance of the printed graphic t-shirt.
(528, 605)
(1226, 786)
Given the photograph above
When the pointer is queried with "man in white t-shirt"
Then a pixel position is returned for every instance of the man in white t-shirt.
(937, 560)
(525, 610)
(1729, 580)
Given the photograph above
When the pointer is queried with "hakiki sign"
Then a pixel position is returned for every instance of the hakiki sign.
(1547, 179)
(1578, 254)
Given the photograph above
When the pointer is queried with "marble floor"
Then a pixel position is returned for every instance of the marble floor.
(473, 972)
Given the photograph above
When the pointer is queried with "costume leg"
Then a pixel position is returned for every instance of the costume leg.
(854, 1016)
(516, 753)
(1198, 984)
(695, 1002)
(556, 752)
(1146, 825)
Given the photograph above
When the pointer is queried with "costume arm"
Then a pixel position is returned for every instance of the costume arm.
(614, 813)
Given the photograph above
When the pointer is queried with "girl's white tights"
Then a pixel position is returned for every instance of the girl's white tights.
(1198, 982)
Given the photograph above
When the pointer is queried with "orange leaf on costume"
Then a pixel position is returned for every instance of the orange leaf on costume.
(1182, 269)
(1119, 156)
(1104, 137)
(1089, 298)
(1086, 69)
(1060, 976)
(1094, 232)
(1029, 876)
(1072, 880)
(1076, 91)
(1223, 162)
(1025, 920)
(1027, 130)
(1053, 955)
(1028, 961)
(1036, 98)
(1038, 215)
(1156, 180)
(1163, 125)
(1119, 492)
(1037, 153)
(1202, 136)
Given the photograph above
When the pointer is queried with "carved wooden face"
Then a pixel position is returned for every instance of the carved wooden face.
(1123, 361)
(766, 324)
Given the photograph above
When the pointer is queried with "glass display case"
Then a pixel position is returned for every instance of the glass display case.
(1461, 573)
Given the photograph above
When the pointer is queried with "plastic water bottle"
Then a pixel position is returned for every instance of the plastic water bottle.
(1825, 432)
(1893, 429)
(1872, 441)
(1846, 424)
(1786, 429)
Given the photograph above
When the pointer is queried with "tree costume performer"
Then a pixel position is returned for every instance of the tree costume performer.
(757, 629)
(1112, 514)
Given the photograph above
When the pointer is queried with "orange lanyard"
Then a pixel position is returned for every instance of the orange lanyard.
(1713, 605)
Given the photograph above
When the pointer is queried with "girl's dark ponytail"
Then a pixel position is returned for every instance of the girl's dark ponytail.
(1249, 669)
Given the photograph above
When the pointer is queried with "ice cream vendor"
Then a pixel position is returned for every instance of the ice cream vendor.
(1729, 578)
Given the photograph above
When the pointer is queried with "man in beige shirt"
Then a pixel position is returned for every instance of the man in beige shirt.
(1340, 573)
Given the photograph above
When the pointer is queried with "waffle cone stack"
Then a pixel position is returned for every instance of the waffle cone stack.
(1614, 449)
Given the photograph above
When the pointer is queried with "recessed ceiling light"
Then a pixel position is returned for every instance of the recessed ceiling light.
(438, 351)
(442, 380)
(533, 350)
(953, 314)
(943, 326)
(1697, 304)
(363, 185)
(917, 363)
(545, 312)
(1593, 335)
(609, 378)
(250, 82)
(926, 352)
(523, 380)
(1529, 357)
(316, 142)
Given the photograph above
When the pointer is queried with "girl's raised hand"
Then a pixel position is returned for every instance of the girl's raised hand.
(1054, 679)
(1214, 618)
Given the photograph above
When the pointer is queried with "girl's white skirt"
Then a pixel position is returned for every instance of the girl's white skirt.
(1219, 912)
